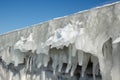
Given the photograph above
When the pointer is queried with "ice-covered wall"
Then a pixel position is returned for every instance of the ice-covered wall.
(81, 46)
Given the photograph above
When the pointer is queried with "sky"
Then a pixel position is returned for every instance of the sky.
(15, 14)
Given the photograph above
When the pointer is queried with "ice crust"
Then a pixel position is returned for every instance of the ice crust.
(40, 52)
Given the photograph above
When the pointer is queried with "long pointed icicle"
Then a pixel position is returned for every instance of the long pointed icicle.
(55, 57)
(55, 63)
(69, 59)
(60, 63)
(74, 65)
(95, 64)
(85, 63)
(27, 63)
(30, 64)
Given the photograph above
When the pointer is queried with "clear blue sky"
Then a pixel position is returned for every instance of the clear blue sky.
(15, 14)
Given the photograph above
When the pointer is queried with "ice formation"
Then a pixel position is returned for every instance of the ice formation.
(82, 46)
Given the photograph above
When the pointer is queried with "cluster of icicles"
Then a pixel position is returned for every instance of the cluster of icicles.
(39, 67)
(51, 55)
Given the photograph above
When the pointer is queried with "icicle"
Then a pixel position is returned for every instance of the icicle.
(43, 75)
(23, 74)
(48, 75)
(55, 57)
(27, 64)
(2, 73)
(95, 63)
(60, 66)
(28, 76)
(42, 59)
(61, 60)
(34, 65)
(30, 64)
(73, 56)
(85, 63)
(69, 59)
(55, 63)
(45, 60)
(68, 68)
(54, 68)
(70, 54)
(39, 60)
(74, 65)
(97, 70)
(80, 57)
(10, 75)
(34, 77)
(39, 65)
(43, 50)
(74, 50)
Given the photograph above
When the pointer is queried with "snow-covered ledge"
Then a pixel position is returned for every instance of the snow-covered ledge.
(81, 46)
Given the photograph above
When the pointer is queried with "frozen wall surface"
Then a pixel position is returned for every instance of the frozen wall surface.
(82, 46)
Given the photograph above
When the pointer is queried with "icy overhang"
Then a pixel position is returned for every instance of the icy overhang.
(85, 31)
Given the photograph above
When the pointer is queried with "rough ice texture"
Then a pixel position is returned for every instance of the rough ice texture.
(82, 46)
